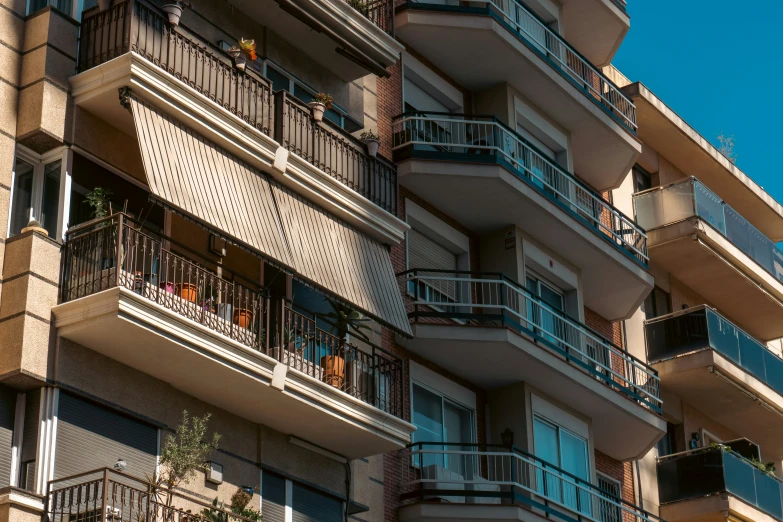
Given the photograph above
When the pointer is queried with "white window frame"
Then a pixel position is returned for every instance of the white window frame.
(708, 436)
(603, 476)
(39, 162)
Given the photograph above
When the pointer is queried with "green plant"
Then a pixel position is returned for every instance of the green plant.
(369, 135)
(359, 5)
(727, 147)
(347, 321)
(98, 199)
(239, 501)
(326, 99)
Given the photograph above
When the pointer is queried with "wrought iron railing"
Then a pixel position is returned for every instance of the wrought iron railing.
(474, 298)
(379, 12)
(702, 328)
(108, 495)
(334, 151)
(473, 138)
(367, 373)
(117, 252)
(535, 32)
(138, 26)
(709, 471)
(665, 205)
(459, 473)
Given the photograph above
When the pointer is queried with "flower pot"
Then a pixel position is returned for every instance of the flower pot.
(240, 60)
(334, 370)
(173, 13)
(167, 287)
(188, 292)
(243, 317)
(104, 4)
(372, 146)
(318, 109)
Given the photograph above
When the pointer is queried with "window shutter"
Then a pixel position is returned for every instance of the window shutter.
(420, 99)
(7, 413)
(272, 498)
(425, 253)
(310, 506)
(32, 412)
(90, 436)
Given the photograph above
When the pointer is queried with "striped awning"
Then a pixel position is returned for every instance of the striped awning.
(195, 177)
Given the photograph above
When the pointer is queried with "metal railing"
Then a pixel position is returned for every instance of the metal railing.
(334, 151)
(661, 206)
(708, 471)
(475, 137)
(367, 373)
(493, 299)
(532, 30)
(107, 495)
(138, 26)
(379, 12)
(486, 474)
(116, 252)
(702, 328)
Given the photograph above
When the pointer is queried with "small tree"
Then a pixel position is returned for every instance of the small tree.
(727, 147)
(184, 453)
(99, 199)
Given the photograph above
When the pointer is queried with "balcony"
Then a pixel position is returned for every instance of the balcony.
(706, 244)
(479, 169)
(506, 43)
(126, 499)
(711, 484)
(475, 482)
(722, 371)
(185, 76)
(126, 295)
(596, 27)
(490, 330)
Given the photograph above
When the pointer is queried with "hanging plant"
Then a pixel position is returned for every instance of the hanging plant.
(246, 51)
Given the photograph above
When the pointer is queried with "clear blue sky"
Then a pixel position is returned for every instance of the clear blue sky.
(719, 65)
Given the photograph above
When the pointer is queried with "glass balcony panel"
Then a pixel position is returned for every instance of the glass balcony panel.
(774, 368)
(752, 356)
(709, 207)
(690, 476)
(768, 495)
(740, 478)
(723, 336)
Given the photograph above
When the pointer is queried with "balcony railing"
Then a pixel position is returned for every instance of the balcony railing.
(116, 252)
(140, 27)
(661, 206)
(491, 299)
(485, 474)
(708, 471)
(521, 21)
(334, 151)
(135, 25)
(702, 328)
(105, 494)
(477, 138)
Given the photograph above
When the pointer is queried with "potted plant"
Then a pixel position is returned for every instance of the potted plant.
(320, 104)
(243, 317)
(174, 11)
(245, 51)
(188, 292)
(371, 141)
(346, 321)
(359, 5)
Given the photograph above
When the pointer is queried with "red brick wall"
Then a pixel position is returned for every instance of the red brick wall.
(621, 471)
(389, 106)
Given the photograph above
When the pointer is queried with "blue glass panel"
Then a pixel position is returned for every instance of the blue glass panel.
(709, 207)
(768, 495)
(723, 336)
(752, 356)
(777, 260)
(739, 476)
(773, 365)
(737, 230)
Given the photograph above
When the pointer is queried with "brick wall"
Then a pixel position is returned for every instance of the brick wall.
(620, 471)
(389, 106)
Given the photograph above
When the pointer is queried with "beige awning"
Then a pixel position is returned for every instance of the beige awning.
(195, 177)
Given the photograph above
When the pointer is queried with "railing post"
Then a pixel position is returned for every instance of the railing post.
(118, 254)
(280, 111)
(105, 500)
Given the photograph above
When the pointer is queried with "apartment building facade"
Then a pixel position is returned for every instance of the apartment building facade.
(492, 245)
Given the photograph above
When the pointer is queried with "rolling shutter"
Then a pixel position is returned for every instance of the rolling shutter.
(425, 253)
(7, 412)
(272, 498)
(90, 436)
(32, 419)
(310, 506)
(419, 99)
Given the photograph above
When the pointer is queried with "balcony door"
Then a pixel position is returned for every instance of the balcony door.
(561, 448)
(544, 314)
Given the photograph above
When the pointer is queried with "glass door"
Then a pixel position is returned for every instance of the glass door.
(545, 318)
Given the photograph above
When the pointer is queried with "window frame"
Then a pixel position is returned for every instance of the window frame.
(76, 9)
(39, 163)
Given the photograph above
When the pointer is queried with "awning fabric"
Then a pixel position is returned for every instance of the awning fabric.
(201, 180)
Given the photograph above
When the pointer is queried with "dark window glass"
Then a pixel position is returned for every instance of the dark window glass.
(311, 506)
(641, 179)
(279, 81)
(61, 5)
(667, 445)
(51, 197)
(23, 196)
(658, 303)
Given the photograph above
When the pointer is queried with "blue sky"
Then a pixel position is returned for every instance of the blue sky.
(718, 64)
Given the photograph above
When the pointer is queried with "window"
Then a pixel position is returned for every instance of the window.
(444, 423)
(284, 81)
(283, 500)
(641, 179)
(609, 511)
(424, 253)
(668, 444)
(546, 318)
(38, 191)
(66, 6)
(568, 451)
(658, 303)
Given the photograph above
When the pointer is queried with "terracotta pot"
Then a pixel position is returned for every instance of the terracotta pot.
(372, 147)
(173, 13)
(243, 317)
(188, 292)
(334, 370)
(104, 4)
(318, 109)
